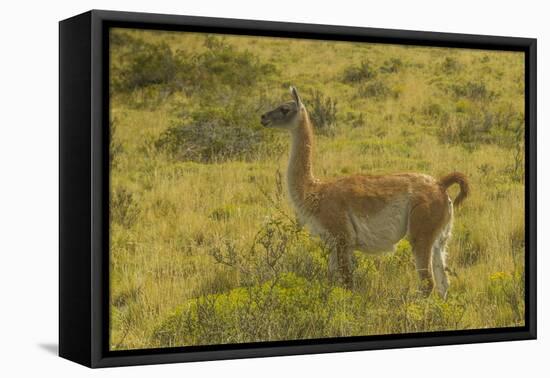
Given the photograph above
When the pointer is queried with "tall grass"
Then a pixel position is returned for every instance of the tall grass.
(204, 245)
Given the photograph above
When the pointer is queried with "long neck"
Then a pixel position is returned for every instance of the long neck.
(300, 172)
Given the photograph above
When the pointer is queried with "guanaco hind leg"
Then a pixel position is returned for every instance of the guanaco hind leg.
(438, 261)
(425, 225)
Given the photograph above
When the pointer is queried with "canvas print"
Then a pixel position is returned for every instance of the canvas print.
(279, 189)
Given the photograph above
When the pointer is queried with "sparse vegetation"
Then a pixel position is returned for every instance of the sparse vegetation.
(124, 209)
(392, 65)
(218, 132)
(223, 65)
(451, 65)
(115, 146)
(204, 245)
(210, 141)
(141, 64)
(322, 111)
(376, 90)
(476, 91)
(356, 74)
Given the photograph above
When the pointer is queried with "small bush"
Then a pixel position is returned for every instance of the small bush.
(450, 65)
(119, 39)
(478, 126)
(433, 313)
(140, 64)
(322, 111)
(356, 121)
(217, 133)
(221, 64)
(381, 145)
(507, 290)
(289, 308)
(210, 142)
(400, 260)
(359, 121)
(462, 106)
(151, 96)
(264, 260)
(433, 110)
(472, 246)
(377, 90)
(280, 245)
(467, 130)
(472, 90)
(518, 168)
(223, 213)
(123, 208)
(217, 280)
(356, 74)
(124, 297)
(393, 65)
(115, 146)
(143, 64)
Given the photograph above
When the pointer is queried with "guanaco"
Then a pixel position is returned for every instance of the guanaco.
(368, 213)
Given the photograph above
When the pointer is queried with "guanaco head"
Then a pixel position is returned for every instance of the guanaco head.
(285, 116)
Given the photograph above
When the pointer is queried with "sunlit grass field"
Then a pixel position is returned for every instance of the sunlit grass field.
(204, 246)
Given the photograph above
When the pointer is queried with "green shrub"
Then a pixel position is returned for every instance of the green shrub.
(518, 168)
(150, 97)
(433, 313)
(123, 208)
(377, 90)
(119, 39)
(507, 290)
(462, 106)
(115, 146)
(210, 142)
(223, 213)
(399, 261)
(264, 260)
(433, 110)
(289, 308)
(393, 65)
(472, 90)
(124, 297)
(221, 64)
(217, 280)
(217, 133)
(142, 64)
(472, 249)
(322, 111)
(280, 245)
(477, 126)
(356, 74)
(356, 121)
(450, 65)
(380, 145)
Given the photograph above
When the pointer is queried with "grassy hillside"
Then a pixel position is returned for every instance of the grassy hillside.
(204, 245)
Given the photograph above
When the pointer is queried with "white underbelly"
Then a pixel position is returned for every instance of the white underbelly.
(380, 232)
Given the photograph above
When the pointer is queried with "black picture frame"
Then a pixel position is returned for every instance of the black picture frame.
(84, 183)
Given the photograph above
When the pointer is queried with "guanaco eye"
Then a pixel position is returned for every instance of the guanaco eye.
(285, 110)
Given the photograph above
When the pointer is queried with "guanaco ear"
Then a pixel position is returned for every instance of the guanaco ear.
(296, 97)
